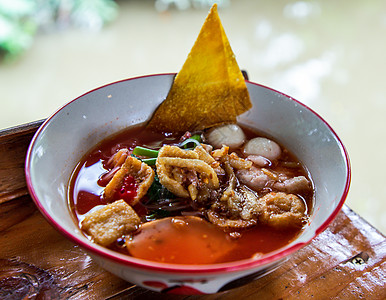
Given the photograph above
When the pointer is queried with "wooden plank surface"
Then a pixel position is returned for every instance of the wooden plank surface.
(13, 147)
(347, 261)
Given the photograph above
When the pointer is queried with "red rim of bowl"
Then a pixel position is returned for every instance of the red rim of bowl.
(178, 268)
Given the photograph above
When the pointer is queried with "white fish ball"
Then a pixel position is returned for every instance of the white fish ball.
(264, 147)
(230, 135)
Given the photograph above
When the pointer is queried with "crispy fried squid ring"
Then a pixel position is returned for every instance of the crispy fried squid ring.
(171, 158)
(226, 223)
(282, 210)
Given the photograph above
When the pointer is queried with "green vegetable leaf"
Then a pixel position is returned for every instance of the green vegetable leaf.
(158, 191)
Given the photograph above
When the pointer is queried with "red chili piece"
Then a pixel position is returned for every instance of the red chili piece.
(128, 190)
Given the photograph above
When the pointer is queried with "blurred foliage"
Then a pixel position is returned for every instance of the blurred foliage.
(21, 20)
(163, 5)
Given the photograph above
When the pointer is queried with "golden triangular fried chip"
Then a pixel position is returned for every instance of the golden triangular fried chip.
(209, 90)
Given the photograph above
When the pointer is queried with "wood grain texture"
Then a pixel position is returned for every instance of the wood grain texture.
(28, 240)
(14, 143)
(346, 261)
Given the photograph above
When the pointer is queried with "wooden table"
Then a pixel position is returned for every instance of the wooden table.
(346, 261)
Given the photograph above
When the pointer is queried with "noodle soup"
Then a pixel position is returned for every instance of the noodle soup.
(206, 197)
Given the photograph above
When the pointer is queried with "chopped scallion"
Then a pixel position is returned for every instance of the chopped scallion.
(142, 151)
(191, 142)
(149, 161)
(196, 137)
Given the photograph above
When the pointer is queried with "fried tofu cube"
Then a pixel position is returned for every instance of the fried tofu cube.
(107, 224)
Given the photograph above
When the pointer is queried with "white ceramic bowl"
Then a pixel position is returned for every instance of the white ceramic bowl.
(70, 132)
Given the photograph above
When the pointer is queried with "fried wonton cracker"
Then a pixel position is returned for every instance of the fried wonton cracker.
(209, 90)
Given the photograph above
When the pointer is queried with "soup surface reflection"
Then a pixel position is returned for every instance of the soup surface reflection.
(217, 196)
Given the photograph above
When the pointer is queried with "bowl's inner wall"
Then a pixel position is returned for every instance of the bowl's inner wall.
(78, 126)
(311, 139)
(84, 122)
